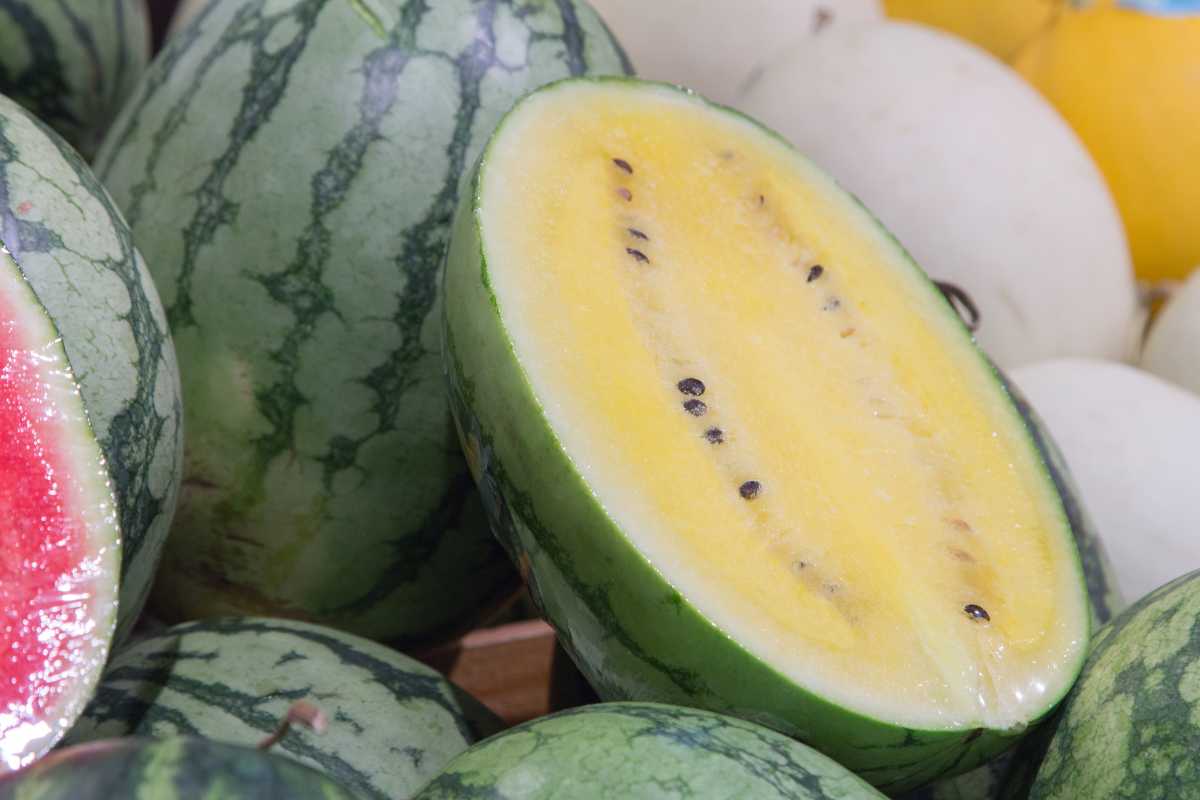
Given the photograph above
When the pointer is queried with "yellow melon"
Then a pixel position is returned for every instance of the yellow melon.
(1002, 27)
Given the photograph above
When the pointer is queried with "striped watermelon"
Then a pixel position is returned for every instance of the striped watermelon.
(73, 62)
(393, 722)
(168, 769)
(290, 169)
(643, 750)
(64, 231)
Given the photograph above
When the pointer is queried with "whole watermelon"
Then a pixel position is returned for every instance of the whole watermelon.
(73, 62)
(290, 169)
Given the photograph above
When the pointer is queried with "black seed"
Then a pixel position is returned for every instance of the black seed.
(623, 164)
(800, 564)
(761, 201)
(832, 304)
(635, 233)
(976, 612)
(715, 435)
(625, 194)
(641, 257)
(749, 490)
(692, 386)
(695, 407)
(814, 272)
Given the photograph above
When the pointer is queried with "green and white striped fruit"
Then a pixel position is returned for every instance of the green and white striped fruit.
(1172, 348)
(392, 722)
(290, 169)
(746, 452)
(643, 751)
(73, 62)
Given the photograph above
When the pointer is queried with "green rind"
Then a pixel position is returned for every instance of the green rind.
(70, 240)
(1131, 726)
(72, 63)
(393, 722)
(291, 169)
(627, 751)
(630, 632)
(167, 769)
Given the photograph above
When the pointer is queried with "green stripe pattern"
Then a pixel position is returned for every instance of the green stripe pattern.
(69, 239)
(393, 722)
(167, 769)
(290, 169)
(630, 751)
(73, 62)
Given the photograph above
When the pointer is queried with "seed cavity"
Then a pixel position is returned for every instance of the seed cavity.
(625, 194)
(847, 333)
(750, 489)
(691, 386)
(715, 435)
(814, 272)
(961, 524)
(635, 233)
(623, 164)
(638, 255)
(962, 555)
(832, 304)
(977, 612)
(696, 408)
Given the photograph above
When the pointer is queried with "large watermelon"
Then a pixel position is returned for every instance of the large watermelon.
(631, 751)
(167, 769)
(393, 722)
(73, 62)
(290, 170)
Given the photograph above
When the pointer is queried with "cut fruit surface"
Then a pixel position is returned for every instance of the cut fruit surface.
(59, 555)
(753, 389)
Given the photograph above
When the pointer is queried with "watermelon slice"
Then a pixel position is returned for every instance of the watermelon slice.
(60, 555)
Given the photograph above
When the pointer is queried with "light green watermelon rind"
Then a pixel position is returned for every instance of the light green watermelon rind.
(1130, 727)
(643, 750)
(631, 633)
(73, 62)
(167, 769)
(324, 481)
(393, 722)
(62, 227)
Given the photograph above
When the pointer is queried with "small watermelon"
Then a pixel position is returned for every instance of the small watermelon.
(636, 751)
(89, 402)
(392, 722)
(290, 170)
(73, 62)
(167, 769)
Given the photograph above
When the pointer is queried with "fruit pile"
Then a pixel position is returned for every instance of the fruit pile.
(331, 332)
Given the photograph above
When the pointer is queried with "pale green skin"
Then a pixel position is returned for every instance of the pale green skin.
(71, 242)
(296, 234)
(644, 751)
(392, 721)
(73, 62)
(630, 632)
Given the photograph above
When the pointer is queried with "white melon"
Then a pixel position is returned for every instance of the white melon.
(1130, 439)
(976, 174)
(717, 46)
(1172, 349)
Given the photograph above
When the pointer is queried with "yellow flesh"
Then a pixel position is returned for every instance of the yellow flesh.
(897, 483)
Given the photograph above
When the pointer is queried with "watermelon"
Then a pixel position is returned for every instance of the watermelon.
(183, 15)
(167, 769)
(643, 750)
(91, 415)
(393, 722)
(1128, 728)
(290, 170)
(73, 62)
(719, 418)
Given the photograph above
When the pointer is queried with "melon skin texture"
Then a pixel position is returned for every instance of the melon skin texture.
(1128, 727)
(1122, 73)
(290, 170)
(1172, 349)
(1015, 212)
(1128, 437)
(643, 750)
(633, 635)
(184, 13)
(168, 769)
(78, 254)
(1000, 28)
(719, 46)
(392, 721)
(73, 63)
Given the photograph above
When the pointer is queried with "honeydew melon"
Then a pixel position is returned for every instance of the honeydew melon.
(1129, 439)
(717, 46)
(745, 452)
(1172, 349)
(1002, 27)
(978, 177)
